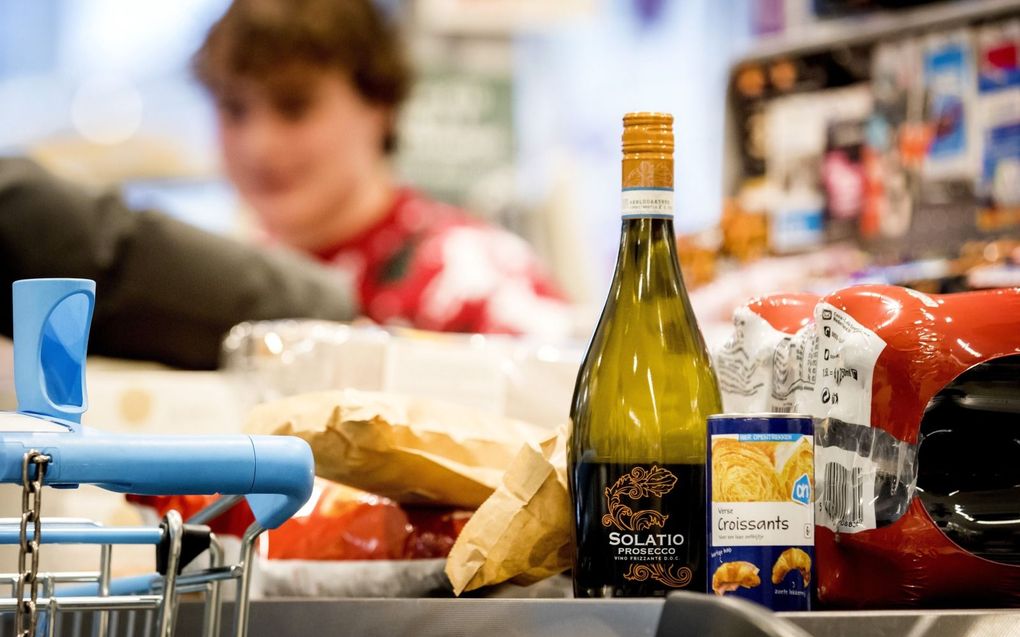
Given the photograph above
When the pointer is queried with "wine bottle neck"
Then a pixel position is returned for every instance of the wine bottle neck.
(647, 259)
(647, 232)
(647, 265)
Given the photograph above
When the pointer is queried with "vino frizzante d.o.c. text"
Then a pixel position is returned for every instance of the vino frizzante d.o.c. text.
(643, 393)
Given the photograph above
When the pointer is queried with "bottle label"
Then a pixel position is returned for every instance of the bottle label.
(647, 202)
(640, 528)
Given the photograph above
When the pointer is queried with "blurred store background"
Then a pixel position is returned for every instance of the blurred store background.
(819, 142)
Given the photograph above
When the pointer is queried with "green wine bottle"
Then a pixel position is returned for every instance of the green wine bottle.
(644, 390)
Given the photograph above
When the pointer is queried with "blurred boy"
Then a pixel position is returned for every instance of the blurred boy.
(307, 93)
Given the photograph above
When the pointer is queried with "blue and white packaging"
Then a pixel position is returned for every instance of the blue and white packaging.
(761, 508)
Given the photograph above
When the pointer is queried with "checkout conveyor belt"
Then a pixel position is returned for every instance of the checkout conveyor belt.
(580, 618)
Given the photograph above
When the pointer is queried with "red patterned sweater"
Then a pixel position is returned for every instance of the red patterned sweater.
(431, 266)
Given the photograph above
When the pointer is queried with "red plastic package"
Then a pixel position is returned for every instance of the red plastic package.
(916, 400)
(919, 449)
(338, 523)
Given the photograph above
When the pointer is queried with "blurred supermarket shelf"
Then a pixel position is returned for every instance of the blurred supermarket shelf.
(828, 34)
(496, 17)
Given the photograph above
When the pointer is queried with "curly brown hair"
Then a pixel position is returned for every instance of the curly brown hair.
(260, 39)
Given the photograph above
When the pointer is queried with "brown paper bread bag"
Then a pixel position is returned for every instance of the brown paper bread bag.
(409, 449)
(522, 532)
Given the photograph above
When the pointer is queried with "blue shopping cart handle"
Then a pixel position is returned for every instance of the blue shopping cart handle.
(275, 473)
(51, 329)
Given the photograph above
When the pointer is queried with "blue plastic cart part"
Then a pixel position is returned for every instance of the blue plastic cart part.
(51, 327)
(51, 334)
(275, 473)
(68, 534)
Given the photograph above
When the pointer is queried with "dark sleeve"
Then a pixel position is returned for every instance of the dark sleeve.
(165, 291)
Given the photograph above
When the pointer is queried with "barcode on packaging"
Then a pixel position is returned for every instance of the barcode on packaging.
(845, 484)
(842, 498)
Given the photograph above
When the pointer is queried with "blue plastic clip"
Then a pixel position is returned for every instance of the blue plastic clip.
(51, 333)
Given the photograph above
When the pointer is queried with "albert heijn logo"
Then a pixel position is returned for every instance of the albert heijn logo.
(802, 490)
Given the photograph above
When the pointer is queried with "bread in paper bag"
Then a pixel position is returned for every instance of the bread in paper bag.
(522, 532)
(411, 450)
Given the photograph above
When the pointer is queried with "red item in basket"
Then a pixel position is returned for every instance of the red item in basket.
(339, 523)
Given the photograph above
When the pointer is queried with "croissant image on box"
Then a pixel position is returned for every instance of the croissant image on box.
(732, 575)
(758, 471)
(792, 559)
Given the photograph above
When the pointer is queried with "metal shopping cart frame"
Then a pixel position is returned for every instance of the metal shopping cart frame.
(44, 445)
(155, 597)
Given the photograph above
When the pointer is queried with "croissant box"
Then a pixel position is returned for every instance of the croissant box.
(760, 517)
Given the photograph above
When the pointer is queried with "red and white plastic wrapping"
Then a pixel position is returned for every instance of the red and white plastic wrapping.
(866, 361)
